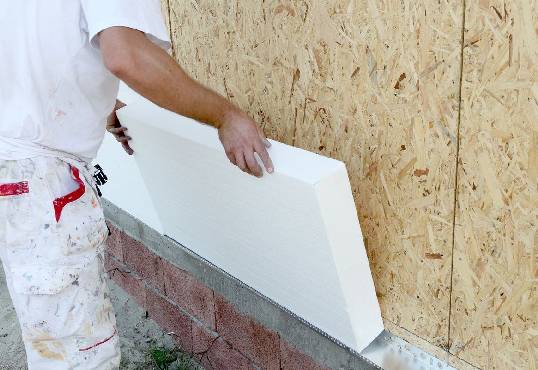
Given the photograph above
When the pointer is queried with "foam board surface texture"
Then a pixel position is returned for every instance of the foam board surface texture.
(293, 235)
(125, 187)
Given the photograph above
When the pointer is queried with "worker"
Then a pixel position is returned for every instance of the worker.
(60, 66)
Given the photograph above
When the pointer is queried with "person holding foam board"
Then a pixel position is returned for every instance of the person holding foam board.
(60, 65)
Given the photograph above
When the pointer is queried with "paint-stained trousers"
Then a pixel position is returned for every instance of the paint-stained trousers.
(52, 234)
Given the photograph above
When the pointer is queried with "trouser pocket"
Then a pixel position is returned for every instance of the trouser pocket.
(16, 203)
(55, 301)
(23, 208)
(65, 314)
(54, 267)
(80, 223)
(49, 211)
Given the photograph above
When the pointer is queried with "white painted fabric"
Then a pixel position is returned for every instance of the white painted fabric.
(54, 267)
(55, 92)
(294, 236)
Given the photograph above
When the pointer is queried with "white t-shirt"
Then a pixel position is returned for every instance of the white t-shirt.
(55, 92)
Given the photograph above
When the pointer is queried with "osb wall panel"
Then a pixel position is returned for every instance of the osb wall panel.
(372, 83)
(495, 307)
(166, 12)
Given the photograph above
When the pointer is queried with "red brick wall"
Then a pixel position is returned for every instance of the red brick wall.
(204, 323)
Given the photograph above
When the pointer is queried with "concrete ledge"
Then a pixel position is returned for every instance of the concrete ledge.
(293, 331)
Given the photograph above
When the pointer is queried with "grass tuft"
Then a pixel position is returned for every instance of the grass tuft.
(162, 357)
(171, 359)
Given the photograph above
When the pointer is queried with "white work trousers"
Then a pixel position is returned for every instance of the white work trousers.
(52, 234)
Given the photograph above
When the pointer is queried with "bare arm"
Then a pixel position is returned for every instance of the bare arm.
(150, 71)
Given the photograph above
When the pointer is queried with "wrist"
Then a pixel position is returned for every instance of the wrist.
(228, 114)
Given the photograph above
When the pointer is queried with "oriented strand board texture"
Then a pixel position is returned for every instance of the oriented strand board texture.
(372, 83)
(495, 300)
(166, 12)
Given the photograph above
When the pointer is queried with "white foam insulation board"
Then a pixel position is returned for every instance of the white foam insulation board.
(125, 187)
(292, 235)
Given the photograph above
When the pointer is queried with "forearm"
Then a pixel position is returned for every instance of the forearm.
(155, 75)
(150, 71)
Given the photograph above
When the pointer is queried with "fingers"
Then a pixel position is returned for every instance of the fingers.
(123, 139)
(245, 159)
(119, 133)
(253, 166)
(127, 148)
(242, 139)
(240, 161)
(117, 130)
(231, 158)
(264, 156)
(247, 163)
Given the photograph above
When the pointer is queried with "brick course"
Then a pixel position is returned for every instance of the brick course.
(222, 356)
(189, 293)
(248, 336)
(170, 318)
(202, 339)
(129, 281)
(204, 323)
(143, 261)
(114, 242)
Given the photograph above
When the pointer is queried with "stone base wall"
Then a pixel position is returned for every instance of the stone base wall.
(202, 322)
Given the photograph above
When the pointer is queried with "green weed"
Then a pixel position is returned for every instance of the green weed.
(171, 359)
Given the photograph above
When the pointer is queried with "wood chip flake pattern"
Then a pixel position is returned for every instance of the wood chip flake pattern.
(494, 303)
(372, 83)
